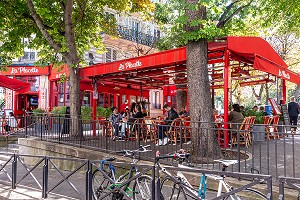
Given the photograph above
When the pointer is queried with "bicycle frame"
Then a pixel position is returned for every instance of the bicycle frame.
(188, 188)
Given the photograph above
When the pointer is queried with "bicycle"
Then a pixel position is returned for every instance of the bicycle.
(105, 182)
(178, 187)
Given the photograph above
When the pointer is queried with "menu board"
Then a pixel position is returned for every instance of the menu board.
(276, 110)
(285, 113)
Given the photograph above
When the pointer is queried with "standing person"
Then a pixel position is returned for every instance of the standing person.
(172, 115)
(126, 117)
(11, 122)
(293, 110)
(115, 119)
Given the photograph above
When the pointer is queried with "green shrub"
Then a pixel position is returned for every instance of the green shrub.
(103, 112)
(259, 116)
(39, 112)
(86, 113)
(59, 111)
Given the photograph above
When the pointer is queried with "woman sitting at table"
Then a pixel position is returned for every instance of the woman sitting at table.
(235, 116)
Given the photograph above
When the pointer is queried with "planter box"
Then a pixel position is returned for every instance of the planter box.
(258, 133)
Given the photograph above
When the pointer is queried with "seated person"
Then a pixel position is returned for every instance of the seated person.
(183, 113)
(115, 119)
(262, 110)
(172, 115)
(235, 116)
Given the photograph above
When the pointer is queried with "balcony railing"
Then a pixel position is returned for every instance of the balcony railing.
(137, 36)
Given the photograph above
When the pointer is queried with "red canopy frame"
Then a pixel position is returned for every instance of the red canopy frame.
(231, 58)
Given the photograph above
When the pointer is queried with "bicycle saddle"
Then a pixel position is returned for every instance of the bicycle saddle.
(227, 162)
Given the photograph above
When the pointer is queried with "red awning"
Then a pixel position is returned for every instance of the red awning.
(252, 53)
(14, 84)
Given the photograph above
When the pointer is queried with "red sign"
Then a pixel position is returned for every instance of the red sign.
(275, 107)
(25, 71)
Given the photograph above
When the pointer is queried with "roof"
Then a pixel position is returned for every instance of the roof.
(247, 54)
(14, 84)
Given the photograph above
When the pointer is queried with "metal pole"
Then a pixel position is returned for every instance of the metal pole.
(141, 91)
(14, 172)
(88, 183)
(226, 90)
(45, 178)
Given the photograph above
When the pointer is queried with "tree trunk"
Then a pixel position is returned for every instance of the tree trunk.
(200, 101)
(74, 90)
(180, 99)
(296, 93)
(203, 136)
(267, 94)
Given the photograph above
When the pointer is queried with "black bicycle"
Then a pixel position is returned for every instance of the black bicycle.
(106, 184)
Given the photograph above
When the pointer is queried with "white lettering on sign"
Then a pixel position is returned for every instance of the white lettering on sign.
(24, 70)
(130, 65)
(284, 74)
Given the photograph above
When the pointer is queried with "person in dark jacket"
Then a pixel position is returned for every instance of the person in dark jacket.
(172, 115)
(115, 119)
(293, 110)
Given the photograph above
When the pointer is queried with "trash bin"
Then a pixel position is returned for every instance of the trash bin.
(258, 133)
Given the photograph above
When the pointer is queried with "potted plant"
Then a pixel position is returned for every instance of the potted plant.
(39, 118)
(258, 129)
(57, 116)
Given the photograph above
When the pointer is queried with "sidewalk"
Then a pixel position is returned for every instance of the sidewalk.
(23, 192)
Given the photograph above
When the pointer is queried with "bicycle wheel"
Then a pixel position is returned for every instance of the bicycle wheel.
(142, 188)
(100, 185)
(247, 194)
(171, 190)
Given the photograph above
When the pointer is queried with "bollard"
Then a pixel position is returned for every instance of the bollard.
(45, 178)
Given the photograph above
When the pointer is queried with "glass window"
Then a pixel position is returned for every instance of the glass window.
(101, 99)
(112, 100)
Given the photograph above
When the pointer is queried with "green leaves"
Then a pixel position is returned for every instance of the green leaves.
(89, 19)
(223, 17)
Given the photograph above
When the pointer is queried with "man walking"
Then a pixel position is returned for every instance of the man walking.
(293, 113)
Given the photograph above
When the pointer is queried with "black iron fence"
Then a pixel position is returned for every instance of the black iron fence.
(79, 183)
(264, 149)
(139, 37)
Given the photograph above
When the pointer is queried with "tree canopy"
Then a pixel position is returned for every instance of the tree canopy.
(45, 23)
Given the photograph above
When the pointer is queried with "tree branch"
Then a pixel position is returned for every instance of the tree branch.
(228, 8)
(82, 11)
(70, 35)
(222, 23)
(41, 26)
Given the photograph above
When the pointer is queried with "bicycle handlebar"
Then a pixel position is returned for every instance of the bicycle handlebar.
(141, 149)
(174, 156)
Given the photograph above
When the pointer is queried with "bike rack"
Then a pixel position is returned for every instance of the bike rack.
(291, 182)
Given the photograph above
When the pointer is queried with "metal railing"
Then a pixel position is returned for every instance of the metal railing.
(42, 176)
(137, 36)
(287, 183)
(271, 152)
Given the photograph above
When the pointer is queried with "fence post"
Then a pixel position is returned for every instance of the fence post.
(45, 178)
(269, 184)
(139, 133)
(281, 188)
(153, 182)
(88, 183)
(180, 126)
(14, 172)
(25, 124)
